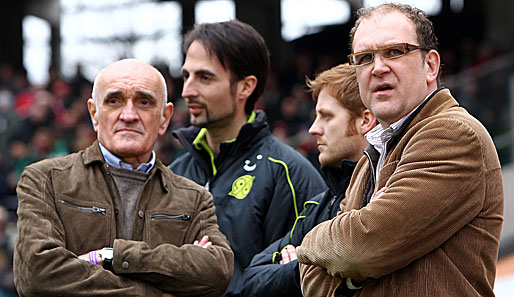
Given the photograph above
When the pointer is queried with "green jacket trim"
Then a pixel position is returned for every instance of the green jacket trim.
(294, 225)
(301, 217)
(276, 254)
(200, 143)
(310, 202)
(289, 182)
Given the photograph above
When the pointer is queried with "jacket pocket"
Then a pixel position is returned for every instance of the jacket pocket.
(170, 228)
(184, 217)
(86, 224)
(85, 208)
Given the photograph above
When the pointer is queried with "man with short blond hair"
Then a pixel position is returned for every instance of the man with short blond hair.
(340, 124)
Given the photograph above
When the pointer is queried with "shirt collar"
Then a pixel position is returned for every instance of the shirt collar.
(112, 160)
(378, 136)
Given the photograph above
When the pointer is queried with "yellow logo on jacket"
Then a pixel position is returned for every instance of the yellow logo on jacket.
(242, 186)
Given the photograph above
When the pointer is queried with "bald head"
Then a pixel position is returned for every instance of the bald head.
(129, 110)
(129, 67)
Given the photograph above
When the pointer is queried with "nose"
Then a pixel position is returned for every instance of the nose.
(379, 65)
(315, 129)
(129, 112)
(189, 90)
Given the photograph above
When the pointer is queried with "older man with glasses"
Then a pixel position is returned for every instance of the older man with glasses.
(424, 209)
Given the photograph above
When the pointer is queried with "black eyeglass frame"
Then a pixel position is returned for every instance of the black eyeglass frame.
(407, 46)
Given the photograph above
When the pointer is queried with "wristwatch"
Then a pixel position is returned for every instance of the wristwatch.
(107, 255)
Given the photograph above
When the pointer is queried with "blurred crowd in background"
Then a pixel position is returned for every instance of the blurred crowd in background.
(38, 122)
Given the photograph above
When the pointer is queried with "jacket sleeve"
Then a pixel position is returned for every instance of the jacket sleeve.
(265, 276)
(186, 270)
(295, 181)
(435, 189)
(42, 264)
(316, 282)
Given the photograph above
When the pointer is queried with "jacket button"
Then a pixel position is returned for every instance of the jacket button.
(116, 211)
(141, 214)
(125, 265)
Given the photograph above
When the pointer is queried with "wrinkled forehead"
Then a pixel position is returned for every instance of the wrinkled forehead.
(130, 76)
(382, 28)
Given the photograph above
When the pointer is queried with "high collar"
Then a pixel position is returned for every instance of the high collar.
(337, 179)
(249, 133)
(440, 99)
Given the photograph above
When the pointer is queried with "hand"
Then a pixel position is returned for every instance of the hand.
(88, 257)
(288, 254)
(204, 242)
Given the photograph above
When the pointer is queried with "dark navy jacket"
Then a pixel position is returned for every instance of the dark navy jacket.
(264, 276)
(258, 185)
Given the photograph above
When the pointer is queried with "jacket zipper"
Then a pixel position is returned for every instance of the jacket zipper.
(371, 165)
(92, 209)
(183, 217)
(332, 202)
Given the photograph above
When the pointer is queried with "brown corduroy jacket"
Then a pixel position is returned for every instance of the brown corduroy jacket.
(436, 229)
(69, 206)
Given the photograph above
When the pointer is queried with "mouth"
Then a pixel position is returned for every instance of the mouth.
(383, 88)
(195, 108)
(128, 130)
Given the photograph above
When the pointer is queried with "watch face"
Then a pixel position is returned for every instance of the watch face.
(107, 254)
(107, 257)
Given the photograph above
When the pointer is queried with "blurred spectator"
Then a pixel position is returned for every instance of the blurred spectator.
(79, 82)
(5, 190)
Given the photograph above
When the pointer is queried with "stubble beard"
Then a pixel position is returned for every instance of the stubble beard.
(210, 121)
(335, 161)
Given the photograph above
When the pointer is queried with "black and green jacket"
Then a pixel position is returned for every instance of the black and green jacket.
(258, 185)
(265, 276)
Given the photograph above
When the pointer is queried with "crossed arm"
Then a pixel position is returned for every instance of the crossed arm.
(95, 258)
(423, 199)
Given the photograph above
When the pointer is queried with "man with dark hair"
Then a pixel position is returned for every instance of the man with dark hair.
(424, 209)
(257, 182)
(340, 124)
(112, 220)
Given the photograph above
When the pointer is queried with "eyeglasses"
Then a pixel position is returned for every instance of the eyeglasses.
(387, 52)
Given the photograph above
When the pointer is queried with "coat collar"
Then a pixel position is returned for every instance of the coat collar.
(439, 100)
(93, 154)
(337, 179)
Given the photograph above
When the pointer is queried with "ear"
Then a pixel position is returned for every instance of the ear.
(365, 122)
(432, 62)
(165, 118)
(91, 106)
(246, 86)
